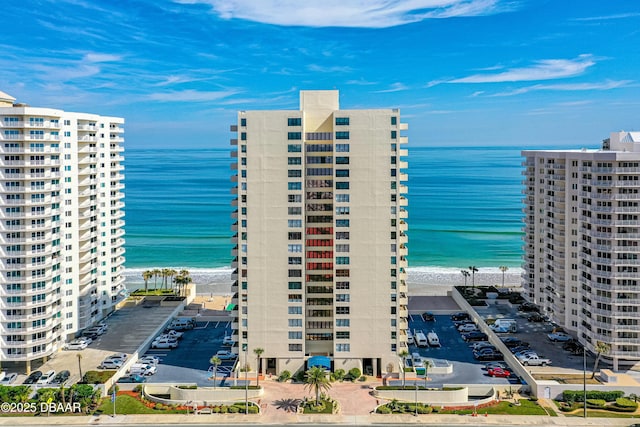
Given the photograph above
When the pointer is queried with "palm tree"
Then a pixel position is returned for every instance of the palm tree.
(165, 275)
(427, 365)
(156, 272)
(403, 354)
(316, 380)
(182, 280)
(146, 276)
(79, 356)
(170, 275)
(601, 348)
(258, 352)
(215, 361)
(504, 269)
(466, 274)
(473, 270)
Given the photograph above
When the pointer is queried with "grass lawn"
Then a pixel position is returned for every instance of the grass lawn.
(327, 408)
(566, 378)
(130, 405)
(526, 407)
(601, 414)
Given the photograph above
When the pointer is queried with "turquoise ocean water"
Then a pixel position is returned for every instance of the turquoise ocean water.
(464, 207)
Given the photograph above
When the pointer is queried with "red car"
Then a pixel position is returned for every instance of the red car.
(498, 372)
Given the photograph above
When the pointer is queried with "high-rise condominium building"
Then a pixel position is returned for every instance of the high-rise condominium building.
(582, 242)
(321, 249)
(61, 226)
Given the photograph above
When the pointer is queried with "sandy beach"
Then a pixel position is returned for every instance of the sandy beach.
(421, 280)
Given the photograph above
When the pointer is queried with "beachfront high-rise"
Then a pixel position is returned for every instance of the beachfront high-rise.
(582, 242)
(320, 244)
(61, 223)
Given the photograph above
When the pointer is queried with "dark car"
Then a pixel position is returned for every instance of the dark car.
(475, 336)
(463, 315)
(573, 346)
(458, 323)
(515, 298)
(496, 365)
(134, 378)
(496, 355)
(61, 377)
(90, 334)
(528, 307)
(33, 378)
(535, 317)
(519, 348)
(511, 341)
(428, 316)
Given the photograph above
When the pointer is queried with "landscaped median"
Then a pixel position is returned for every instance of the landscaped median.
(599, 403)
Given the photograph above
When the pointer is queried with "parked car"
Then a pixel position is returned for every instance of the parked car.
(528, 307)
(481, 344)
(458, 323)
(98, 329)
(47, 377)
(225, 355)
(90, 334)
(61, 377)
(485, 357)
(496, 365)
(8, 379)
(165, 343)
(174, 334)
(149, 360)
(132, 379)
(499, 372)
(525, 353)
(117, 356)
(428, 316)
(462, 315)
(111, 364)
(33, 378)
(511, 341)
(519, 349)
(573, 346)
(559, 337)
(475, 336)
(533, 360)
(78, 344)
(483, 350)
(228, 340)
(535, 317)
(467, 327)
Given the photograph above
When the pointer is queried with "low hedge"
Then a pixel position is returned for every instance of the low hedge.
(596, 403)
(578, 396)
(624, 402)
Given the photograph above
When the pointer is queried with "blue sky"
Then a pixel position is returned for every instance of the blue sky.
(525, 73)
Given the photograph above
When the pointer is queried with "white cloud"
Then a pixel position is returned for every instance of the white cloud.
(609, 17)
(395, 87)
(568, 87)
(333, 69)
(190, 96)
(351, 13)
(101, 57)
(546, 69)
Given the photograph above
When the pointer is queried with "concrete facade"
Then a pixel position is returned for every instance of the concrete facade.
(62, 224)
(321, 246)
(581, 243)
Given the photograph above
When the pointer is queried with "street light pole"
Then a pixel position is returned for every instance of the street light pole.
(416, 408)
(584, 381)
(246, 382)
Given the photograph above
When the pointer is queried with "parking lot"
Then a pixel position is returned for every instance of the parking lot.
(189, 362)
(466, 369)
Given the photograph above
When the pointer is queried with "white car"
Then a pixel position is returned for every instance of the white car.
(78, 344)
(111, 364)
(227, 340)
(225, 355)
(149, 360)
(165, 343)
(117, 356)
(467, 327)
(47, 377)
(559, 336)
(8, 379)
(174, 334)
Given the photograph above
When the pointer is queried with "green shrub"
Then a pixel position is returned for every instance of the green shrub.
(596, 403)
(425, 409)
(578, 395)
(284, 376)
(224, 409)
(354, 373)
(234, 409)
(215, 409)
(188, 387)
(299, 376)
(383, 410)
(138, 388)
(339, 374)
(533, 399)
(623, 402)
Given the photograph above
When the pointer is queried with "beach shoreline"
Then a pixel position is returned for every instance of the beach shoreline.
(420, 280)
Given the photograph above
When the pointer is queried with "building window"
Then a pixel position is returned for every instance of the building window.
(343, 347)
(293, 223)
(294, 186)
(343, 322)
(340, 223)
(394, 120)
(294, 135)
(341, 310)
(295, 285)
(295, 198)
(293, 173)
(295, 310)
(342, 135)
(295, 260)
(342, 198)
(394, 134)
(295, 347)
(295, 248)
(295, 335)
(342, 148)
(293, 323)
(294, 121)
(342, 298)
(342, 210)
(342, 335)
(342, 260)
(342, 185)
(342, 173)
(295, 273)
(295, 235)
(243, 122)
(243, 136)
(342, 160)
(342, 121)
(294, 148)
(342, 248)
(295, 160)
(342, 273)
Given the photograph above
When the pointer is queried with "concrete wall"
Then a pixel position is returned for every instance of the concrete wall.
(554, 390)
(440, 397)
(201, 395)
